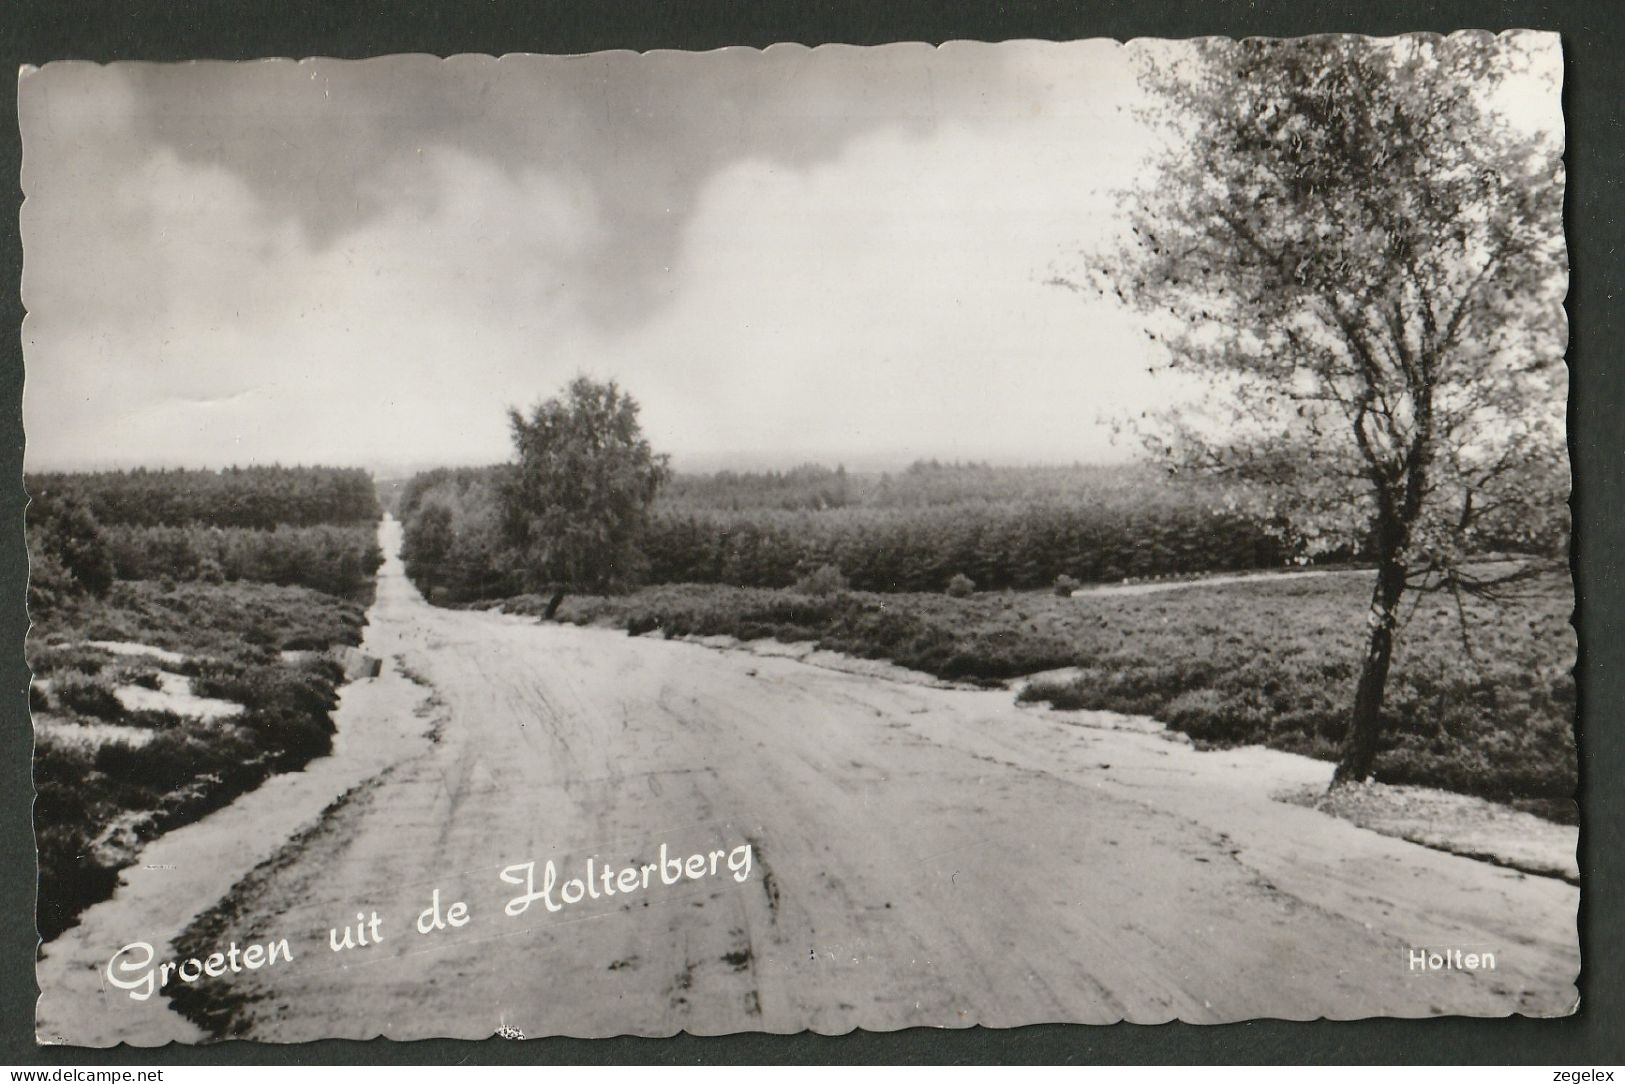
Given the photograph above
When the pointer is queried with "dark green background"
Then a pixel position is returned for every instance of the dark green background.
(36, 31)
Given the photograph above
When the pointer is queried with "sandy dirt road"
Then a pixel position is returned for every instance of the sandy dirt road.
(919, 856)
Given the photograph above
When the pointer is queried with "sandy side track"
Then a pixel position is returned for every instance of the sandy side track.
(922, 856)
(378, 723)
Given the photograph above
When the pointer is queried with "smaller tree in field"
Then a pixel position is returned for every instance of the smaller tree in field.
(67, 552)
(578, 498)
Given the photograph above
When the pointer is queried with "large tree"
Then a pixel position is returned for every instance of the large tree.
(578, 497)
(1357, 250)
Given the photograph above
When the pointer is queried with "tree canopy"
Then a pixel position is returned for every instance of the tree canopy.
(1359, 252)
(579, 495)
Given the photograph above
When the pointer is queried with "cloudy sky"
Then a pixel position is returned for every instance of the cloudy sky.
(836, 254)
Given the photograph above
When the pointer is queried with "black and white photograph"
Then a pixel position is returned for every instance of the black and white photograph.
(800, 539)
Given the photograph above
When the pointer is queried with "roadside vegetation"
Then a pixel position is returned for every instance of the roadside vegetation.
(337, 560)
(1271, 662)
(913, 530)
(967, 572)
(161, 685)
(1359, 257)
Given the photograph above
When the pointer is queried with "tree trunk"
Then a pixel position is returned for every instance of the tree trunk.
(1365, 727)
(553, 605)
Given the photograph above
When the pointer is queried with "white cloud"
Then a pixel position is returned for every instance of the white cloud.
(229, 339)
(893, 302)
(885, 304)
(880, 299)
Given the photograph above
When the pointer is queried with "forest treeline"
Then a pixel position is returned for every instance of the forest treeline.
(912, 530)
(257, 497)
(290, 526)
(337, 560)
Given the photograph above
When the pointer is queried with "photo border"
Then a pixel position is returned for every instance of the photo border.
(37, 31)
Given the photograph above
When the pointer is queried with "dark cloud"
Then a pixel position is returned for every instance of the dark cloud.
(364, 262)
(333, 144)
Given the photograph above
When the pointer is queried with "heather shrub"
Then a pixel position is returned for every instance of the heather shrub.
(1271, 663)
(230, 634)
(85, 694)
(144, 676)
(826, 580)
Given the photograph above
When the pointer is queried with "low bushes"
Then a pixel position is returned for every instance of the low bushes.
(923, 632)
(1265, 662)
(827, 580)
(85, 694)
(232, 635)
(338, 560)
(1277, 663)
(228, 568)
(202, 618)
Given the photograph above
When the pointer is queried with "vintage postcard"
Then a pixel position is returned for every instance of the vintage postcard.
(769, 540)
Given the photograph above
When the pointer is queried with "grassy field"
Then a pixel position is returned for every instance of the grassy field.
(1272, 662)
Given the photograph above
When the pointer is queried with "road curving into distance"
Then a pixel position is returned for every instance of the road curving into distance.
(871, 853)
